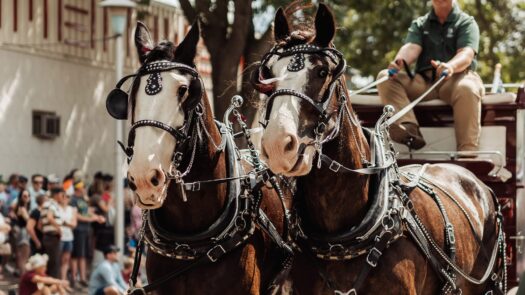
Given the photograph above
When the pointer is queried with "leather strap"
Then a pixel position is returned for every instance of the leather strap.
(338, 167)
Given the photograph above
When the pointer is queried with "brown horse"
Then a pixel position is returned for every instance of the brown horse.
(200, 236)
(308, 113)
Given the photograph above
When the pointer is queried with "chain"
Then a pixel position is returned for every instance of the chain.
(251, 147)
(215, 145)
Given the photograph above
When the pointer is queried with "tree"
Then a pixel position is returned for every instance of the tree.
(228, 32)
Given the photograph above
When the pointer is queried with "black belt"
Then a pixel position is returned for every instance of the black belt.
(52, 234)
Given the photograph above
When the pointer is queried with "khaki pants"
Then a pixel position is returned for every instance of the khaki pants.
(463, 91)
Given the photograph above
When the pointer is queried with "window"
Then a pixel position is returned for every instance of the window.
(46, 125)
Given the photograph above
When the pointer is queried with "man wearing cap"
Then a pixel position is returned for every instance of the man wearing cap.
(52, 221)
(36, 282)
(445, 41)
(53, 182)
(107, 279)
(82, 233)
(36, 189)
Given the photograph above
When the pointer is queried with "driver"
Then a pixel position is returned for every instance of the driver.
(445, 39)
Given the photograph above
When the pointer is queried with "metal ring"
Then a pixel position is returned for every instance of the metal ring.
(388, 222)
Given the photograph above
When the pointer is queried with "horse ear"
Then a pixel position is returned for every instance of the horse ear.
(324, 26)
(143, 41)
(187, 49)
(281, 30)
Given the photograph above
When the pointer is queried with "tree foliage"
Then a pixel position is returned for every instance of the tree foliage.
(369, 34)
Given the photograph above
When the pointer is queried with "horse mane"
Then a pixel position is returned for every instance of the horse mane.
(165, 50)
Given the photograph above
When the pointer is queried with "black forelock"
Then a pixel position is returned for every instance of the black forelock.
(165, 50)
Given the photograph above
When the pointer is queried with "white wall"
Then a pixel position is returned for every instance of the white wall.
(76, 92)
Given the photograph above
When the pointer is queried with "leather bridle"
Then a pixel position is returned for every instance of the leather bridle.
(118, 100)
(321, 134)
(321, 107)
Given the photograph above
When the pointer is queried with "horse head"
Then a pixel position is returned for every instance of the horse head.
(166, 91)
(298, 75)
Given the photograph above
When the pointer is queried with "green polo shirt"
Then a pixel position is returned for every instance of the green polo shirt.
(442, 41)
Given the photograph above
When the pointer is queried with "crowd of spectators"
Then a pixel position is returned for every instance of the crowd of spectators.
(55, 232)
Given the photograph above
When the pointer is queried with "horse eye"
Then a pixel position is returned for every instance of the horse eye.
(182, 90)
(323, 73)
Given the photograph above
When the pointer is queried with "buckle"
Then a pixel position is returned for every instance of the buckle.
(349, 292)
(373, 257)
(494, 277)
(193, 186)
(215, 253)
(450, 232)
(334, 166)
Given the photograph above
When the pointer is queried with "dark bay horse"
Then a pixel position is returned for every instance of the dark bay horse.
(365, 226)
(200, 234)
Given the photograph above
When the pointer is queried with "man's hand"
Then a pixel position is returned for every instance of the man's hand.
(442, 67)
(395, 65)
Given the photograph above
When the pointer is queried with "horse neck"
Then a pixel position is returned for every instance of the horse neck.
(202, 207)
(337, 201)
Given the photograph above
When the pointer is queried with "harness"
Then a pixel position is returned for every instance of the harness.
(242, 213)
(391, 214)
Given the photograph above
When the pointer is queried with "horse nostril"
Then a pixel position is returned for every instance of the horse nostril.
(156, 178)
(132, 185)
(154, 181)
(290, 146)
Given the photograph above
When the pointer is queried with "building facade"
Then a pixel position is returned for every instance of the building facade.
(57, 60)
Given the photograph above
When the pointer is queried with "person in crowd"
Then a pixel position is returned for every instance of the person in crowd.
(127, 269)
(21, 212)
(5, 247)
(69, 218)
(52, 221)
(445, 41)
(53, 182)
(103, 232)
(97, 186)
(34, 226)
(82, 233)
(107, 279)
(4, 197)
(36, 282)
(36, 188)
(71, 178)
(21, 184)
(12, 187)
